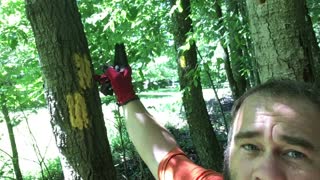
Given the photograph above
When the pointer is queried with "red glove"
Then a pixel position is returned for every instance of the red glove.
(121, 84)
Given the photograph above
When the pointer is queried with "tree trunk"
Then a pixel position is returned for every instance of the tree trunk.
(202, 134)
(72, 96)
(237, 46)
(233, 63)
(284, 41)
(15, 156)
(249, 52)
(227, 62)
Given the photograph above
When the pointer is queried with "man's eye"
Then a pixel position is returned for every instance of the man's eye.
(294, 155)
(250, 147)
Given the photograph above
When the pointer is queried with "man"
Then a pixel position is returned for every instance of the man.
(273, 136)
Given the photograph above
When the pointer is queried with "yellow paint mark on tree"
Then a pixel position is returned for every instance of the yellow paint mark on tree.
(77, 110)
(183, 62)
(84, 71)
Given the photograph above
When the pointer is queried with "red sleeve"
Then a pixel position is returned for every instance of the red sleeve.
(175, 165)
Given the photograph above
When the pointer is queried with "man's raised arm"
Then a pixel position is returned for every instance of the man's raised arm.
(152, 141)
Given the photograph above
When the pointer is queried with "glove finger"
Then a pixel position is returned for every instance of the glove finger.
(127, 71)
(96, 77)
(106, 89)
(103, 76)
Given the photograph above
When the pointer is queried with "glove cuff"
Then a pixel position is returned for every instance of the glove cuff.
(123, 100)
(125, 95)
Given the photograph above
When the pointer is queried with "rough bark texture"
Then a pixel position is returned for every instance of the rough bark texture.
(15, 156)
(72, 96)
(284, 41)
(202, 134)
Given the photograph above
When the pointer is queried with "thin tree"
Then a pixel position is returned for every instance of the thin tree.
(233, 50)
(202, 134)
(237, 47)
(15, 155)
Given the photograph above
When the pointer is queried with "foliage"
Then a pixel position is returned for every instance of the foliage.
(314, 12)
(217, 119)
(127, 161)
(132, 22)
(54, 172)
(6, 168)
(20, 77)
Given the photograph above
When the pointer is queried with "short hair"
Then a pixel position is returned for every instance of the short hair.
(281, 88)
(273, 88)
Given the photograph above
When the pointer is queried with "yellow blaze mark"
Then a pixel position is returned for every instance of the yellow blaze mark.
(183, 63)
(77, 110)
(84, 71)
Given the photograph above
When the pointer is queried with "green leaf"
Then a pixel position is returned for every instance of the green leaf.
(220, 61)
(132, 13)
(13, 43)
(110, 25)
(141, 73)
(206, 67)
(179, 4)
(195, 82)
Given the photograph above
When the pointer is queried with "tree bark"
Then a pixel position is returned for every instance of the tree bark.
(202, 134)
(15, 156)
(284, 41)
(72, 96)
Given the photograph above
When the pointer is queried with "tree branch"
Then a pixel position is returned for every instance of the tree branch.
(6, 153)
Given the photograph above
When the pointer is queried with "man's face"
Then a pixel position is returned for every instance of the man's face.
(275, 138)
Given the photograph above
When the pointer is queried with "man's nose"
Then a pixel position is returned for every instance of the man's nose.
(269, 168)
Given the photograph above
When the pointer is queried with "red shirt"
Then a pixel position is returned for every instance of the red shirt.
(175, 165)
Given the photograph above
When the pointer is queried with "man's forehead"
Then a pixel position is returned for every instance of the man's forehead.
(250, 107)
(266, 105)
(256, 106)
